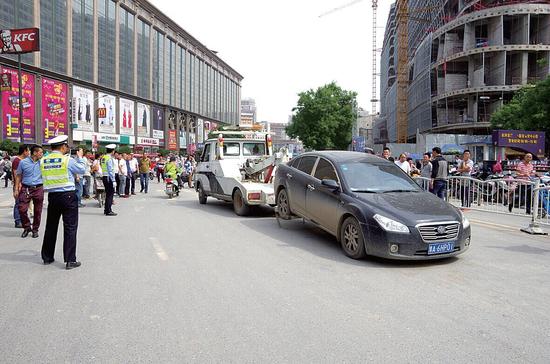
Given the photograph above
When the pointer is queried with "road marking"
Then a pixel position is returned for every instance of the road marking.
(161, 254)
(492, 224)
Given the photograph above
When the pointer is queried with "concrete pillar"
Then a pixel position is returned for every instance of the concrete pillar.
(36, 22)
(117, 45)
(96, 44)
(495, 32)
(69, 38)
(135, 56)
(524, 68)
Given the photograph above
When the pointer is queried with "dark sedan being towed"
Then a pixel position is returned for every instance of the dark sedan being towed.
(370, 205)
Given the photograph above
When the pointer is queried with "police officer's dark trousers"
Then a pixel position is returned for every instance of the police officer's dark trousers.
(61, 204)
(109, 194)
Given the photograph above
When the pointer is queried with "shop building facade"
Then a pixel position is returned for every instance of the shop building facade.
(114, 71)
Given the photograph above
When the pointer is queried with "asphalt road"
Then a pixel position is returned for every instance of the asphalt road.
(174, 281)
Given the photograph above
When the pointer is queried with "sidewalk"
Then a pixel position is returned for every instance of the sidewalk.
(504, 220)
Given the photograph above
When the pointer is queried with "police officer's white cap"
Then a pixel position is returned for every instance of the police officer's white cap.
(110, 146)
(58, 140)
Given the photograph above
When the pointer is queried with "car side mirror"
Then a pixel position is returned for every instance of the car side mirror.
(331, 184)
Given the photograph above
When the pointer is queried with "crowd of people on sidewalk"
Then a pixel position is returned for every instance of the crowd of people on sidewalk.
(72, 176)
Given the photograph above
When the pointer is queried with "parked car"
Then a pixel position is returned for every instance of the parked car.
(370, 205)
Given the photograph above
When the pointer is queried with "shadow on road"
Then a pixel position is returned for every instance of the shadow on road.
(527, 249)
(308, 237)
(225, 209)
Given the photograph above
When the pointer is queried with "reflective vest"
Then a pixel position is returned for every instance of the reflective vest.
(55, 171)
(104, 160)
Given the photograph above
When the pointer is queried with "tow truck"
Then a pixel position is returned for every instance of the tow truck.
(237, 166)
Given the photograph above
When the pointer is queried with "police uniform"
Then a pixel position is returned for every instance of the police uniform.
(58, 172)
(108, 168)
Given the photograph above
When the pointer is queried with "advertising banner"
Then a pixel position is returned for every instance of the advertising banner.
(54, 108)
(107, 119)
(144, 119)
(358, 143)
(18, 41)
(158, 122)
(529, 141)
(5, 82)
(10, 107)
(183, 140)
(126, 116)
(83, 108)
(172, 140)
(148, 141)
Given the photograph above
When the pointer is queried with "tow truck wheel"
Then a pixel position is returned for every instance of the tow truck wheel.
(240, 207)
(283, 207)
(202, 195)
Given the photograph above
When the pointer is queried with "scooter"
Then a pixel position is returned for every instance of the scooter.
(100, 191)
(171, 188)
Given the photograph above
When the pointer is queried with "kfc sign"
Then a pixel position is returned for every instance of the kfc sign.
(17, 41)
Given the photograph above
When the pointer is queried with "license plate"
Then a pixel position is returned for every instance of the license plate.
(440, 248)
(168, 189)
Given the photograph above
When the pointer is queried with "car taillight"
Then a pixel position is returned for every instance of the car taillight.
(254, 196)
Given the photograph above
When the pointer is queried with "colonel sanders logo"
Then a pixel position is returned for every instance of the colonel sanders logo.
(7, 43)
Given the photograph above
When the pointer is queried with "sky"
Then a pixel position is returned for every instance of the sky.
(282, 47)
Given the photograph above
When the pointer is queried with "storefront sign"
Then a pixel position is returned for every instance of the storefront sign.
(158, 123)
(159, 134)
(144, 119)
(172, 140)
(126, 116)
(183, 140)
(10, 107)
(54, 108)
(17, 41)
(83, 108)
(108, 138)
(147, 141)
(107, 122)
(529, 141)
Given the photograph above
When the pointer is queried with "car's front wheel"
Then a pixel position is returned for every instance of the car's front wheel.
(283, 205)
(351, 238)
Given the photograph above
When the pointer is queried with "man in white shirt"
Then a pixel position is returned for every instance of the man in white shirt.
(122, 174)
(134, 166)
(465, 167)
(403, 163)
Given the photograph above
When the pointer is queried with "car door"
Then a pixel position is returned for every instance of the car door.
(298, 179)
(322, 203)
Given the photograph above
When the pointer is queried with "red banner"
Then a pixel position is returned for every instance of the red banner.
(172, 140)
(16, 41)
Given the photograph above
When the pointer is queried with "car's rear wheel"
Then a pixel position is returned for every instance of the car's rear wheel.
(239, 205)
(351, 238)
(202, 195)
(283, 205)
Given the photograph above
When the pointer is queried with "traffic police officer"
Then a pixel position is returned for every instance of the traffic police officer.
(58, 170)
(108, 168)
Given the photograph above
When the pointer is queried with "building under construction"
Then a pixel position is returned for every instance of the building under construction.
(466, 58)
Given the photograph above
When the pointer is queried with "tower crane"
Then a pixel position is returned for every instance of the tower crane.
(374, 98)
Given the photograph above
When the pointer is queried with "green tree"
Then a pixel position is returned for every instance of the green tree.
(324, 117)
(9, 146)
(529, 109)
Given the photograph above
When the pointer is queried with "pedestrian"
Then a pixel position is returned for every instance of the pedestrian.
(87, 176)
(426, 168)
(58, 171)
(108, 163)
(440, 172)
(414, 170)
(117, 172)
(28, 187)
(144, 168)
(160, 169)
(129, 176)
(5, 170)
(79, 182)
(386, 154)
(134, 167)
(525, 171)
(465, 168)
(188, 167)
(122, 173)
(97, 173)
(23, 153)
(403, 163)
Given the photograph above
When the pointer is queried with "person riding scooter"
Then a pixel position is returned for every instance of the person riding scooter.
(172, 171)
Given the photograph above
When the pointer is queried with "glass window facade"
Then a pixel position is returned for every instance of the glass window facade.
(170, 68)
(180, 75)
(53, 35)
(106, 10)
(158, 66)
(126, 51)
(17, 14)
(143, 60)
(83, 39)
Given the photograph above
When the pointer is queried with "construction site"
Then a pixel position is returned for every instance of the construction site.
(447, 65)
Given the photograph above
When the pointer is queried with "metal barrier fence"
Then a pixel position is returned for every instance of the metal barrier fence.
(505, 195)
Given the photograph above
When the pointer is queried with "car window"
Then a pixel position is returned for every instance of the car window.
(231, 149)
(376, 177)
(254, 149)
(325, 170)
(306, 164)
(294, 162)
(206, 153)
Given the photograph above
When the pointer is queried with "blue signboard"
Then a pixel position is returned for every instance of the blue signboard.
(358, 143)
